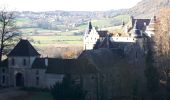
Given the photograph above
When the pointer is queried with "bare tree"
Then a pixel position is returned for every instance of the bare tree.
(7, 30)
(162, 41)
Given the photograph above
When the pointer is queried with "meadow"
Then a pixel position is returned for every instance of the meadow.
(47, 40)
(40, 37)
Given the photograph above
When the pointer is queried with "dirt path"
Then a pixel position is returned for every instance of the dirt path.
(13, 94)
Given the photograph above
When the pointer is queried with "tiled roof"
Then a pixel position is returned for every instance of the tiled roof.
(39, 63)
(103, 44)
(62, 66)
(103, 33)
(103, 59)
(97, 45)
(106, 43)
(140, 23)
(138, 26)
(23, 48)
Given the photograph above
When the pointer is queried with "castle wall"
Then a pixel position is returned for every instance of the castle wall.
(123, 39)
(4, 78)
(36, 78)
(18, 62)
(51, 79)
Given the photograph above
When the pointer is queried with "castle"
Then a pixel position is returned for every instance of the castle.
(137, 30)
(97, 69)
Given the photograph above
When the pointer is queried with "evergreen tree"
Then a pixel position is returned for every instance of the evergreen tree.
(67, 90)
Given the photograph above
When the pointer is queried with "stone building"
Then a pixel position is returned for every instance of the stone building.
(137, 29)
(107, 69)
(17, 66)
(25, 68)
(132, 50)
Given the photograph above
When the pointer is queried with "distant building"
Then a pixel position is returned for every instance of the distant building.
(137, 30)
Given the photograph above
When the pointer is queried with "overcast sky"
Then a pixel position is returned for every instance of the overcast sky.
(68, 5)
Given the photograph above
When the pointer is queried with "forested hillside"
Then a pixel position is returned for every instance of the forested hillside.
(147, 8)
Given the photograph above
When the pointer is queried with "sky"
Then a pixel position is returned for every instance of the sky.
(67, 5)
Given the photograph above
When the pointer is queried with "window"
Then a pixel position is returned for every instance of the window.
(3, 79)
(37, 80)
(13, 62)
(24, 62)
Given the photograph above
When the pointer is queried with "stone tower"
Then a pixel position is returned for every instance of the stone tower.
(90, 37)
(150, 30)
(20, 60)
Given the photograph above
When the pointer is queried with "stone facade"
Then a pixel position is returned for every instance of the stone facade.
(90, 38)
(137, 30)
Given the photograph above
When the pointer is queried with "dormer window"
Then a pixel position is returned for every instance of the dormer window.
(13, 62)
(24, 62)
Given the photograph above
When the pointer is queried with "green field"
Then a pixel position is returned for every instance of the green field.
(41, 37)
(47, 40)
(123, 17)
(40, 31)
(106, 22)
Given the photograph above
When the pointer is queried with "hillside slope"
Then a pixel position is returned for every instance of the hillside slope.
(147, 8)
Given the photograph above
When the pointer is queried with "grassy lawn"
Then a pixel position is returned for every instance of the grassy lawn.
(122, 17)
(106, 22)
(49, 40)
(40, 31)
(40, 96)
(101, 23)
(35, 31)
(52, 39)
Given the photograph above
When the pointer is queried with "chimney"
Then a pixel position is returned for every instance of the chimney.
(46, 61)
